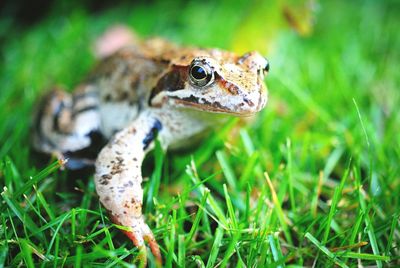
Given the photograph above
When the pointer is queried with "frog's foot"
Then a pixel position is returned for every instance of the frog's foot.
(140, 234)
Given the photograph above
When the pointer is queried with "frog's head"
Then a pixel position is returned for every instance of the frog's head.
(214, 81)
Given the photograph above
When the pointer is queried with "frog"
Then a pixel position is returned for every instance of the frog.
(148, 90)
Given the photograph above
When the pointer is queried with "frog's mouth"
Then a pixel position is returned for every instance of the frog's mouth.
(206, 106)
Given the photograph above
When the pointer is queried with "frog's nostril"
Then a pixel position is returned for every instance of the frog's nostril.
(266, 67)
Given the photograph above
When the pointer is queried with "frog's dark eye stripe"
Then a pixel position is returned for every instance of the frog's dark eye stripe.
(200, 74)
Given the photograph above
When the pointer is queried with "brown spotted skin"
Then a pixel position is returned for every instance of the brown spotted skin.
(145, 91)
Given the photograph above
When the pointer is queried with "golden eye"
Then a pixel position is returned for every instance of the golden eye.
(200, 74)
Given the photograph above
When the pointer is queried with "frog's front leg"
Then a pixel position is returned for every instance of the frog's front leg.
(118, 178)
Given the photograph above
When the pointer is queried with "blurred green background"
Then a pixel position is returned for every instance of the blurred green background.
(329, 136)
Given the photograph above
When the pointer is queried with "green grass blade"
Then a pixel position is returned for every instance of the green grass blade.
(37, 178)
(364, 256)
(27, 253)
(3, 254)
(276, 251)
(368, 225)
(19, 212)
(181, 251)
(63, 219)
(78, 256)
(289, 172)
(171, 240)
(356, 227)
(214, 205)
(198, 217)
(235, 237)
(278, 210)
(395, 221)
(231, 211)
(325, 250)
(247, 142)
(227, 170)
(215, 247)
(249, 171)
(335, 200)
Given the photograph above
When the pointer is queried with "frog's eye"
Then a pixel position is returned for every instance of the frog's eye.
(200, 74)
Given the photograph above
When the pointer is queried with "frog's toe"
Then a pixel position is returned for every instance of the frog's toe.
(139, 239)
(140, 234)
(151, 241)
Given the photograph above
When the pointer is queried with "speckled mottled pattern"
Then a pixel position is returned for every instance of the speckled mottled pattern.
(140, 92)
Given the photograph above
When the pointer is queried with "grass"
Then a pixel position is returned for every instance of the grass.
(313, 180)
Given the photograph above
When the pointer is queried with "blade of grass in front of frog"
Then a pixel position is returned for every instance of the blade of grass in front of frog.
(116, 259)
(234, 231)
(289, 174)
(249, 173)
(220, 216)
(278, 210)
(58, 219)
(227, 170)
(325, 250)
(362, 201)
(170, 243)
(367, 221)
(199, 214)
(88, 193)
(336, 198)
(21, 214)
(181, 250)
(62, 220)
(393, 225)
(41, 202)
(97, 252)
(38, 177)
(356, 228)
(363, 256)
(276, 250)
(26, 253)
(235, 236)
(4, 246)
(219, 233)
(231, 211)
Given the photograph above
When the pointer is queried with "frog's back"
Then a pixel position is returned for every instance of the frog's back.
(123, 82)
